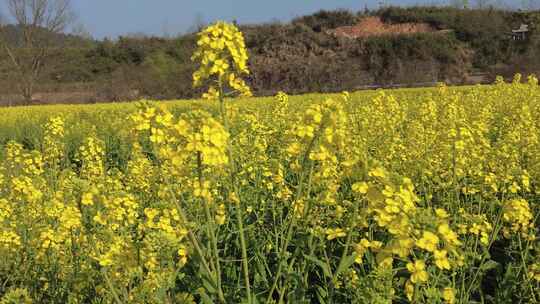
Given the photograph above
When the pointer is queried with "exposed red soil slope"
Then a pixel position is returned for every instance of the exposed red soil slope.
(374, 26)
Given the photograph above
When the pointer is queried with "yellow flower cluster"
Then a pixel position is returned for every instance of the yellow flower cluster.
(534, 272)
(475, 224)
(221, 53)
(417, 235)
(18, 160)
(518, 215)
(418, 271)
(53, 144)
(140, 170)
(319, 136)
(92, 156)
(334, 233)
(195, 133)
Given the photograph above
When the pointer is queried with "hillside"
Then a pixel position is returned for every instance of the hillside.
(12, 35)
(374, 26)
(328, 51)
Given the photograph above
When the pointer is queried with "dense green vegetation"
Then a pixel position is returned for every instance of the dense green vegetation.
(300, 56)
(486, 32)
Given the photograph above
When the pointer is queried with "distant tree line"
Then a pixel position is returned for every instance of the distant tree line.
(299, 56)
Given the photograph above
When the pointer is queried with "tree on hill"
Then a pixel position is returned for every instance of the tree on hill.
(37, 25)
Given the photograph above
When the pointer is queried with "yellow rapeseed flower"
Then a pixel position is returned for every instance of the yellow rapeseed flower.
(334, 233)
(418, 272)
(429, 241)
(449, 295)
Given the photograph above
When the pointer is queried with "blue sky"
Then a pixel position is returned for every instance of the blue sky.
(110, 18)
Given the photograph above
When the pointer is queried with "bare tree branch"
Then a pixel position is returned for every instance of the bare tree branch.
(38, 21)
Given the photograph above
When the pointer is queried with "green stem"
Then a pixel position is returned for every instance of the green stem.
(522, 252)
(198, 250)
(347, 244)
(292, 225)
(496, 229)
(212, 225)
(111, 287)
(239, 213)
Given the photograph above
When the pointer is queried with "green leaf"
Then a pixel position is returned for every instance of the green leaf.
(325, 267)
(488, 265)
(205, 298)
(209, 286)
(208, 283)
(321, 295)
(322, 292)
(345, 263)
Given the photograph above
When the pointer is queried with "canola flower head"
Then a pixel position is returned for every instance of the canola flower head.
(361, 187)
(409, 290)
(449, 295)
(429, 241)
(448, 235)
(441, 259)
(282, 97)
(534, 272)
(518, 217)
(222, 55)
(334, 233)
(418, 272)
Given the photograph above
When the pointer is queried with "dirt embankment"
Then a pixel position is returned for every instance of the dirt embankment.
(374, 26)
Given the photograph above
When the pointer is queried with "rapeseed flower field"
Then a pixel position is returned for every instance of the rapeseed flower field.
(397, 196)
